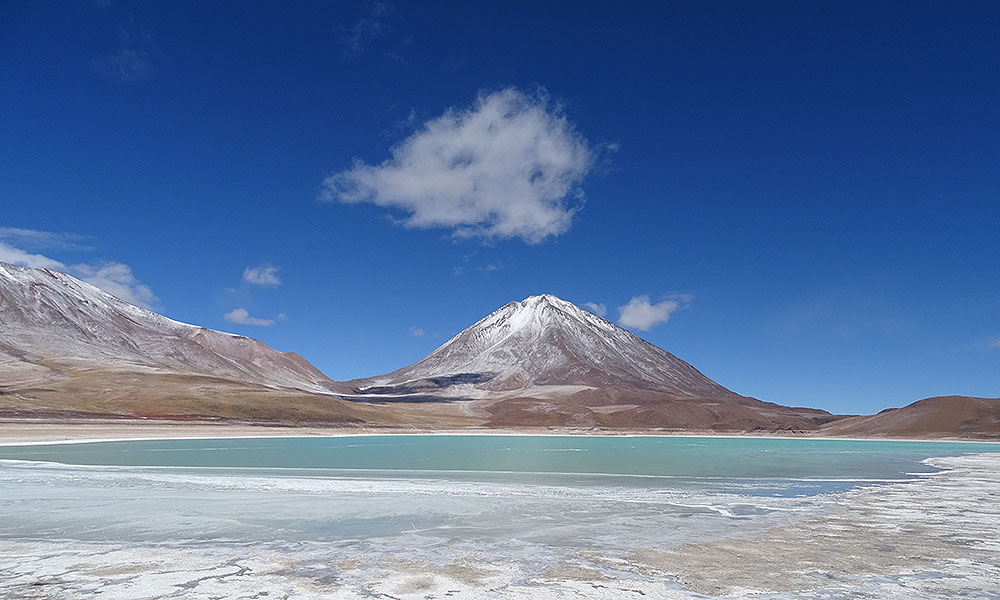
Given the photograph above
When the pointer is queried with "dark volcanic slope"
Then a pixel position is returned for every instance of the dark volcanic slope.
(931, 417)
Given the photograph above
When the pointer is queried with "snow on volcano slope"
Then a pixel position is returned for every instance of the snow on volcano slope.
(52, 323)
(541, 343)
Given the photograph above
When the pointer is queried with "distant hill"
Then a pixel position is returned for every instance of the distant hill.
(959, 416)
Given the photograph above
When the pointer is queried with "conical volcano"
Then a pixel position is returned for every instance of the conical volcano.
(545, 342)
(547, 362)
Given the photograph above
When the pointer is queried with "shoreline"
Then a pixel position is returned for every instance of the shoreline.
(25, 432)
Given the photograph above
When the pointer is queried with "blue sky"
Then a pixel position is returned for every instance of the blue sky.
(800, 199)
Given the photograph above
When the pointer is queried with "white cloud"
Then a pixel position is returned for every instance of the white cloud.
(118, 280)
(16, 256)
(242, 317)
(504, 168)
(598, 309)
(996, 344)
(643, 315)
(417, 331)
(266, 275)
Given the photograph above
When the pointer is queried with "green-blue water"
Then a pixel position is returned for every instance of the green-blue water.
(638, 456)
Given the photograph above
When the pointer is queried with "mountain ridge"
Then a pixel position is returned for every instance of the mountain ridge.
(68, 350)
(54, 323)
(67, 346)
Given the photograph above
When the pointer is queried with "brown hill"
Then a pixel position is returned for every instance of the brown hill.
(941, 416)
(187, 397)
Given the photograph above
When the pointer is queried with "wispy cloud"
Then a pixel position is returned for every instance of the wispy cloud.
(598, 309)
(242, 316)
(33, 239)
(127, 65)
(265, 275)
(510, 166)
(484, 270)
(417, 332)
(639, 313)
(113, 277)
(133, 61)
(987, 343)
(375, 23)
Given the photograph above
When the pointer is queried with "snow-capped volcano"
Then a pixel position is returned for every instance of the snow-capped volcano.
(546, 362)
(545, 342)
(52, 324)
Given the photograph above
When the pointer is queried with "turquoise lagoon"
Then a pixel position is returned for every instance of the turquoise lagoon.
(361, 487)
